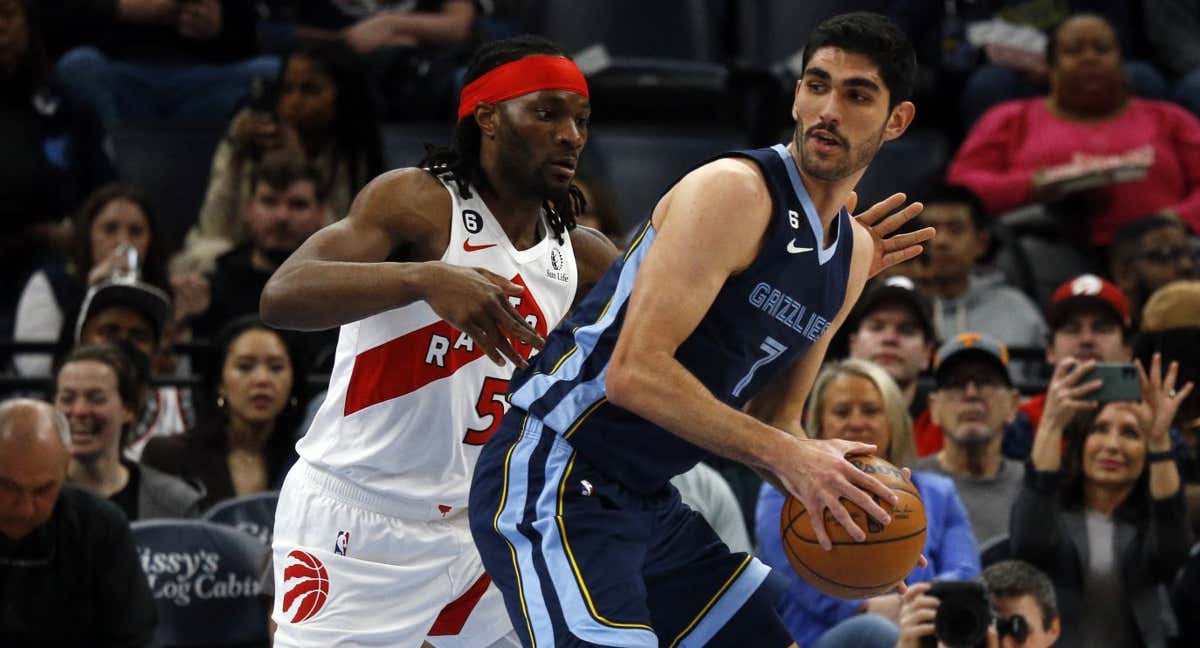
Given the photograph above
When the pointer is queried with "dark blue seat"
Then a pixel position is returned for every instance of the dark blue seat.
(404, 144)
(908, 164)
(253, 514)
(205, 581)
(638, 164)
(645, 59)
(171, 162)
(771, 32)
(994, 550)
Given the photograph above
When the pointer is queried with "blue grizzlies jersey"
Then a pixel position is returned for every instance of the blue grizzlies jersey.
(762, 319)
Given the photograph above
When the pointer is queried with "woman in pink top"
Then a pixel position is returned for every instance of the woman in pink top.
(1128, 157)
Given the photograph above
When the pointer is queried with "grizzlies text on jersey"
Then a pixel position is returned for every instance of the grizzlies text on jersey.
(762, 319)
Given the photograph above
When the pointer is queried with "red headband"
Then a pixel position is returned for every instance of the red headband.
(523, 76)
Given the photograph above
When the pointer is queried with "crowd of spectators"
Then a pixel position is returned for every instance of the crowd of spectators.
(168, 396)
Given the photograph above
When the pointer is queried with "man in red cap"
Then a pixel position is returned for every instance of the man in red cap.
(475, 253)
(1089, 322)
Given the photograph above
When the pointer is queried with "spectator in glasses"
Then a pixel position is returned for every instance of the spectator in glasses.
(68, 569)
(1150, 253)
(971, 403)
(1023, 603)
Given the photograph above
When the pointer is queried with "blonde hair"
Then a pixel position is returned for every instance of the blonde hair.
(901, 450)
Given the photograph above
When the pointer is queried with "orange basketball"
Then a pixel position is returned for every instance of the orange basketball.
(856, 570)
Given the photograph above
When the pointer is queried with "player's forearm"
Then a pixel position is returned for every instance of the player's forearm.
(660, 390)
(317, 295)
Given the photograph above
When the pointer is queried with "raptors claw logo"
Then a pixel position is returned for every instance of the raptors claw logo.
(312, 589)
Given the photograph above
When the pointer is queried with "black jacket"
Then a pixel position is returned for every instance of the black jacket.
(1055, 540)
(76, 580)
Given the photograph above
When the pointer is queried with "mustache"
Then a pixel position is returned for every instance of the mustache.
(829, 128)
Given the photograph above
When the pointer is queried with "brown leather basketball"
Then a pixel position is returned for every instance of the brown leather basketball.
(855, 570)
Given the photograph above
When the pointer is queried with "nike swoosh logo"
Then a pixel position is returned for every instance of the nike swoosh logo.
(791, 247)
(475, 248)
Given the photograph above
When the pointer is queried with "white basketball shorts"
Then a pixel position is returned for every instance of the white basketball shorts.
(349, 576)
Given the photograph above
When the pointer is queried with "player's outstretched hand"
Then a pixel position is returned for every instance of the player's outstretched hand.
(816, 472)
(882, 220)
(475, 301)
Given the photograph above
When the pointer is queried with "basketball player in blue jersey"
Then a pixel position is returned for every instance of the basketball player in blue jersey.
(705, 335)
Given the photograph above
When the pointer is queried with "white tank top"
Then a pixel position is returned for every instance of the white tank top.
(412, 400)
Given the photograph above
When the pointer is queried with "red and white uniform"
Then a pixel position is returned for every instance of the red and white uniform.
(379, 495)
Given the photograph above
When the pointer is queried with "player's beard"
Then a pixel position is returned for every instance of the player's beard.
(854, 158)
(519, 167)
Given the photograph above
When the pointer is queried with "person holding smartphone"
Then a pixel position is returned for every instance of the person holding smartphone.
(1104, 515)
(1090, 318)
(318, 110)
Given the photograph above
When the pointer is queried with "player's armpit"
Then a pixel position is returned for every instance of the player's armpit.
(594, 253)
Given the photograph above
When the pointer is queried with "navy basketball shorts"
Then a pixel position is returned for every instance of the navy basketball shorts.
(583, 561)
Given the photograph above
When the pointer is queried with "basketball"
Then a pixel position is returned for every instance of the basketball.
(856, 570)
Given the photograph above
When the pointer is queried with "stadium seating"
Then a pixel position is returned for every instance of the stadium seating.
(771, 32)
(667, 61)
(994, 550)
(253, 514)
(171, 162)
(638, 164)
(1036, 255)
(907, 164)
(205, 579)
(404, 144)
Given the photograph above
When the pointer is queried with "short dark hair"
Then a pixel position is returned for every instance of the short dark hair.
(941, 193)
(875, 37)
(1019, 578)
(1128, 238)
(280, 171)
(461, 159)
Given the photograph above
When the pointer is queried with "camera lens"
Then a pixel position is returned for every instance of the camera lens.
(961, 625)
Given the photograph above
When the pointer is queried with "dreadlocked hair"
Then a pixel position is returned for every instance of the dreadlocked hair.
(461, 159)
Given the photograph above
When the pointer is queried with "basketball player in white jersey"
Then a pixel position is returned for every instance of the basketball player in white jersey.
(474, 254)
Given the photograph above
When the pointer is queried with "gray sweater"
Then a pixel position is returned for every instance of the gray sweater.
(988, 501)
(163, 496)
(991, 306)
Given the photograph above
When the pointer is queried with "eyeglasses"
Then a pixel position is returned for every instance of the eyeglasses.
(986, 385)
(1015, 626)
(1167, 255)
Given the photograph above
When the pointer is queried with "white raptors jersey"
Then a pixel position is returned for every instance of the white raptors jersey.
(412, 400)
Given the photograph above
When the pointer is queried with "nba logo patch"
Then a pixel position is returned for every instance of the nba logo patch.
(342, 543)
